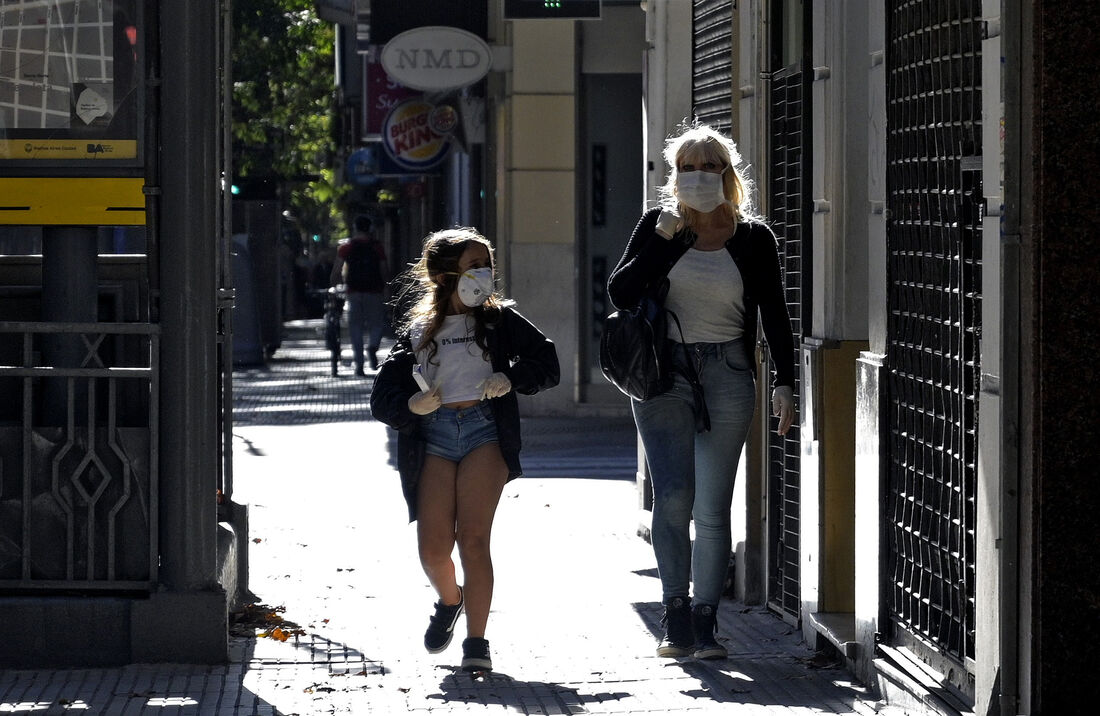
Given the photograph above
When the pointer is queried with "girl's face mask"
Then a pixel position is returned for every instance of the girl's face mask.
(700, 190)
(475, 286)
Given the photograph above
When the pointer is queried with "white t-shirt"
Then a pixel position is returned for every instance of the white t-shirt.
(459, 366)
(708, 296)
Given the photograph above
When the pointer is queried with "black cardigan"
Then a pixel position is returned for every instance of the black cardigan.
(649, 257)
(516, 348)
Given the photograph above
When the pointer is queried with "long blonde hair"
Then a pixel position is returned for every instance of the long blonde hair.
(432, 281)
(703, 142)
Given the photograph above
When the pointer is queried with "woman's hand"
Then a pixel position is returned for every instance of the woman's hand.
(426, 401)
(668, 223)
(495, 386)
(783, 407)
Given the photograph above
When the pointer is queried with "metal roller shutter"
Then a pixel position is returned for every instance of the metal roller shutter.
(934, 301)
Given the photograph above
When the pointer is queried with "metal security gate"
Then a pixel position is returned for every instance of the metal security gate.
(78, 465)
(933, 365)
(712, 62)
(786, 215)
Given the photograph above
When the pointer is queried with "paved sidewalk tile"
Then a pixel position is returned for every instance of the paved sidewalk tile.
(575, 611)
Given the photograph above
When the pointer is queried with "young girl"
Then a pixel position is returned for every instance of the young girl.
(449, 388)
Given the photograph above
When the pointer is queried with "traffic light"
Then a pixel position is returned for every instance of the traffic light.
(551, 9)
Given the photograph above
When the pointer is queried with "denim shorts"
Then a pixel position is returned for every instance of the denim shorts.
(452, 434)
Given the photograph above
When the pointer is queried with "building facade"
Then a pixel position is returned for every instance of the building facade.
(904, 154)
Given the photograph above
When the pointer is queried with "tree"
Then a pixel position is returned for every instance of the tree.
(284, 98)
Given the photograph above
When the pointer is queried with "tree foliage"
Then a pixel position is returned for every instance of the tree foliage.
(284, 98)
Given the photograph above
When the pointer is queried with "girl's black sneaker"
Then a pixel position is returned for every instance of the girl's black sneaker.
(475, 655)
(441, 625)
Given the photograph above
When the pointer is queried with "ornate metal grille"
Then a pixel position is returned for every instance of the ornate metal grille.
(78, 473)
(712, 62)
(934, 300)
(786, 216)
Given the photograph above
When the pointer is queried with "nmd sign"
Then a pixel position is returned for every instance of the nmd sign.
(436, 58)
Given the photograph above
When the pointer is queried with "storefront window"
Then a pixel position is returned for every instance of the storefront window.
(70, 82)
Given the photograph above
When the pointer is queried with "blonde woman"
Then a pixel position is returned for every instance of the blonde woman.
(723, 270)
(449, 388)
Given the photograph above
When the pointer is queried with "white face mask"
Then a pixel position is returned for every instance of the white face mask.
(699, 190)
(475, 286)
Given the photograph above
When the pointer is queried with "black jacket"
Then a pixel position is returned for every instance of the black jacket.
(649, 257)
(516, 348)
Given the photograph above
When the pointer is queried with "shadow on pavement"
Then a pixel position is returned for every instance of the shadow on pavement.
(498, 689)
(767, 664)
(134, 689)
(296, 388)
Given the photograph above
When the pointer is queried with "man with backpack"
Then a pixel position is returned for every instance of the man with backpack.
(361, 266)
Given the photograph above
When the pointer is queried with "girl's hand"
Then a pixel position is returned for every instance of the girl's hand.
(426, 401)
(668, 223)
(783, 407)
(495, 386)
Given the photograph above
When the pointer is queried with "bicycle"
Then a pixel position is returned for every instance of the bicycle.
(334, 309)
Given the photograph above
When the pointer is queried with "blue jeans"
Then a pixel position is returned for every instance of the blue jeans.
(365, 310)
(693, 473)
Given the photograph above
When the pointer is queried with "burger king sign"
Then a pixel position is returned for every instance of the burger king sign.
(416, 133)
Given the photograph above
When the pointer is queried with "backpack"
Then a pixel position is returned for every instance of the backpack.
(634, 354)
(364, 267)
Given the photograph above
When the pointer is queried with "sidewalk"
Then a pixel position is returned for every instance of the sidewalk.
(575, 614)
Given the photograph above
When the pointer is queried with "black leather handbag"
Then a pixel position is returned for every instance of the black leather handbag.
(637, 357)
(634, 352)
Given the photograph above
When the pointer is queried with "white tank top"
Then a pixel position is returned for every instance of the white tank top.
(708, 296)
(459, 367)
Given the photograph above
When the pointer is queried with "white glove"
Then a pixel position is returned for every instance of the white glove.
(426, 401)
(495, 386)
(783, 407)
(668, 222)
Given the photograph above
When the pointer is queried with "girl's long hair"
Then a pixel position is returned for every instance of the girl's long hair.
(429, 284)
(697, 139)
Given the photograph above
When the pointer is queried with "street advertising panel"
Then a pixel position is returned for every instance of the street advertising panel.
(417, 134)
(71, 89)
(383, 93)
(410, 132)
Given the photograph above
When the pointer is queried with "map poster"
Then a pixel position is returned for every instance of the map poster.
(70, 81)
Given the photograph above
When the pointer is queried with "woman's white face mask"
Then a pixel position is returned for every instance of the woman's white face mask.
(475, 286)
(700, 190)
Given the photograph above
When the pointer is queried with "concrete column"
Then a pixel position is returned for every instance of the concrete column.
(188, 287)
(189, 427)
(69, 295)
(540, 193)
(995, 529)
(1059, 340)
(870, 491)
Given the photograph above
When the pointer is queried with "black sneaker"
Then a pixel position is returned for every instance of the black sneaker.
(677, 640)
(475, 655)
(441, 625)
(704, 622)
